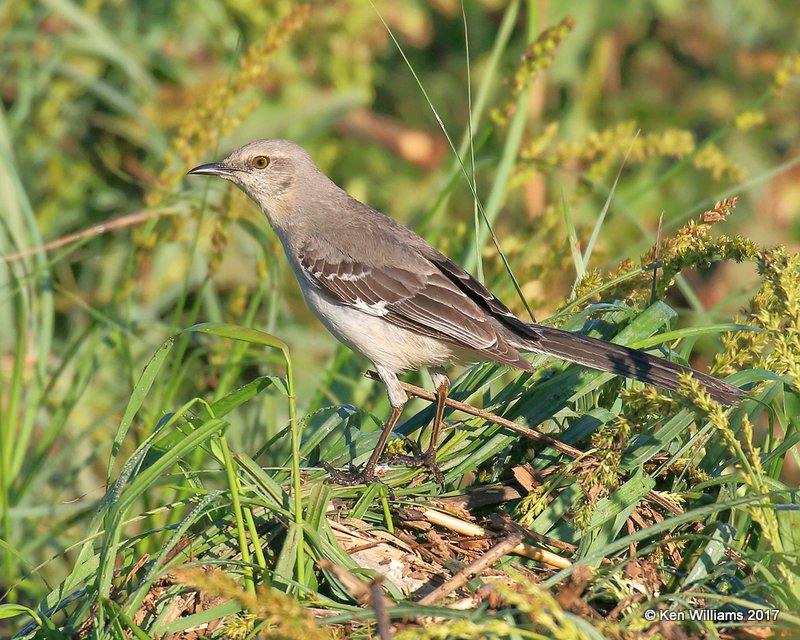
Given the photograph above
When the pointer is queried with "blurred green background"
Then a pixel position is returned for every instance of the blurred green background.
(106, 104)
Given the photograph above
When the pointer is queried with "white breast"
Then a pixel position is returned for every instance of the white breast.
(367, 333)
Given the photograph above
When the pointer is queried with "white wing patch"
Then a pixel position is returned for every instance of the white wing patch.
(379, 309)
(347, 277)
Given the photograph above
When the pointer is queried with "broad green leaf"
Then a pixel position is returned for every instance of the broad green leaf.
(714, 551)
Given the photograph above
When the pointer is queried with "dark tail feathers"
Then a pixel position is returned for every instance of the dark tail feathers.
(624, 361)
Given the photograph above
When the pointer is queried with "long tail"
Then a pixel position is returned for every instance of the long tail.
(624, 361)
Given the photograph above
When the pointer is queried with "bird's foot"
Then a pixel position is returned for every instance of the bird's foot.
(427, 460)
(351, 477)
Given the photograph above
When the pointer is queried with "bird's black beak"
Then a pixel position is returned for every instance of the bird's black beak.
(212, 169)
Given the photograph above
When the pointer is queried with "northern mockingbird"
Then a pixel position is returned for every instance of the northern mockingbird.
(390, 296)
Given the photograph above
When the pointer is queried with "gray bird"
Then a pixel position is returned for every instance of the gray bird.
(387, 294)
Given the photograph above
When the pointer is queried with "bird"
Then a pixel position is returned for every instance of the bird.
(387, 294)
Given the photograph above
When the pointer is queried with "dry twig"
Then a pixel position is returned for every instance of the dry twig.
(474, 568)
(471, 529)
(118, 223)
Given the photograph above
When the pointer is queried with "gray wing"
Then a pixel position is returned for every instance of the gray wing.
(415, 295)
(481, 296)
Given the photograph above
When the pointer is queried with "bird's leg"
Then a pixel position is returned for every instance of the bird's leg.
(369, 468)
(398, 399)
(442, 384)
(428, 459)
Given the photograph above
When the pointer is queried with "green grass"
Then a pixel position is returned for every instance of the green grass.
(166, 399)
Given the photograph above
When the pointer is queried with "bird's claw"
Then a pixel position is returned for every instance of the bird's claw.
(421, 460)
(353, 476)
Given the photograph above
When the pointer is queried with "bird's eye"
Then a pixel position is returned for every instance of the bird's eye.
(260, 162)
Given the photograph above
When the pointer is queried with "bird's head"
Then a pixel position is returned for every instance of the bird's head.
(268, 171)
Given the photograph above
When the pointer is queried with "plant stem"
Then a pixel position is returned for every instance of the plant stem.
(233, 485)
(294, 426)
